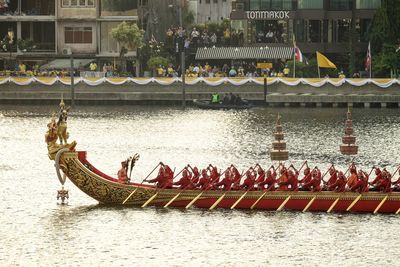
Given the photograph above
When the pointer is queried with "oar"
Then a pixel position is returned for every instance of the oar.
(194, 200)
(175, 197)
(333, 205)
(239, 199)
(150, 199)
(309, 204)
(354, 202)
(398, 211)
(131, 194)
(283, 204)
(352, 164)
(258, 200)
(380, 204)
(217, 202)
(394, 173)
(322, 178)
(151, 172)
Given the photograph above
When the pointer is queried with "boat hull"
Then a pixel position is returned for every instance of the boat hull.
(203, 104)
(107, 190)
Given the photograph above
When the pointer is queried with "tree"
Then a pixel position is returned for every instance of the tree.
(385, 38)
(128, 36)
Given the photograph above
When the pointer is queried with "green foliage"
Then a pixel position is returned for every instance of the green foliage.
(129, 35)
(385, 38)
(310, 70)
(7, 45)
(155, 62)
(25, 45)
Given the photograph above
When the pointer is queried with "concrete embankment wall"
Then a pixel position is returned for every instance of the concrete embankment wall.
(277, 94)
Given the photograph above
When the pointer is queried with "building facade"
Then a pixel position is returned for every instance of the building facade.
(315, 25)
(58, 28)
(206, 11)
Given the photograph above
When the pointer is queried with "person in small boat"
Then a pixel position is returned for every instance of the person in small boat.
(249, 181)
(226, 182)
(340, 184)
(352, 179)
(215, 98)
(361, 185)
(185, 181)
(315, 184)
(122, 174)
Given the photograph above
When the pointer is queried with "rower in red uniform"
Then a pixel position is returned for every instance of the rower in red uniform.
(396, 185)
(361, 185)
(315, 184)
(204, 182)
(292, 179)
(333, 178)
(378, 178)
(196, 175)
(250, 180)
(214, 175)
(270, 180)
(261, 177)
(352, 179)
(283, 181)
(185, 180)
(384, 185)
(236, 178)
(340, 184)
(226, 182)
(163, 179)
(307, 176)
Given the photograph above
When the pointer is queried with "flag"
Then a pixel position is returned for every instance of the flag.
(368, 58)
(324, 62)
(298, 56)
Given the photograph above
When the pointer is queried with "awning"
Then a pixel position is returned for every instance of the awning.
(59, 64)
(250, 52)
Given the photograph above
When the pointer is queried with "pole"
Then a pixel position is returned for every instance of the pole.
(183, 68)
(294, 63)
(72, 82)
(265, 88)
(370, 64)
(319, 74)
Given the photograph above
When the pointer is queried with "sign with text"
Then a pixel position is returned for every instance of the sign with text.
(265, 15)
(264, 65)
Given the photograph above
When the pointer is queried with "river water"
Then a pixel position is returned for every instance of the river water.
(36, 231)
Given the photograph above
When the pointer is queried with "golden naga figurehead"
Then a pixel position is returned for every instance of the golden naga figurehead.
(58, 131)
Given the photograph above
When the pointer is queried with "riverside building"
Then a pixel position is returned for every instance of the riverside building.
(52, 30)
(315, 25)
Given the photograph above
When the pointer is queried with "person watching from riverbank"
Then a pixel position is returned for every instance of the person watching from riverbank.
(122, 173)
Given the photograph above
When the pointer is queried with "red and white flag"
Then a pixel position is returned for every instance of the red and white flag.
(368, 58)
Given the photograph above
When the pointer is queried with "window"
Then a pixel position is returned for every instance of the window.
(215, 1)
(271, 5)
(118, 8)
(208, 1)
(368, 4)
(77, 3)
(78, 35)
(310, 4)
(340, 5)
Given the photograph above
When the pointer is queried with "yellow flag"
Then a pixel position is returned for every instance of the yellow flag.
(324, 62)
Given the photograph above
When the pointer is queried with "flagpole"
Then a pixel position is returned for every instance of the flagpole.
(319, 74)
(294, 62)
(370, 64)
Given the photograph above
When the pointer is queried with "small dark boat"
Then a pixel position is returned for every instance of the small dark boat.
(206, 104)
